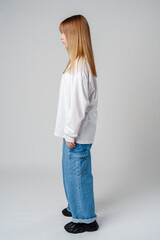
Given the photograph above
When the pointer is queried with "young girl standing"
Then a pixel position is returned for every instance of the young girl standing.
(76, 124)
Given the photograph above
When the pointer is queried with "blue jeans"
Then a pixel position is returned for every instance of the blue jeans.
(78, 182)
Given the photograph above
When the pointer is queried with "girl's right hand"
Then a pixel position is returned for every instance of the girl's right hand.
(70, 144)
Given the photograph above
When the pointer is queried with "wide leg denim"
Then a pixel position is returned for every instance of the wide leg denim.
(78, 182)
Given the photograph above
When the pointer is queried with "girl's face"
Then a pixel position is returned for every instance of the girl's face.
(64, 40)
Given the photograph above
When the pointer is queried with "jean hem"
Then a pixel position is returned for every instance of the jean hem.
(89, 220)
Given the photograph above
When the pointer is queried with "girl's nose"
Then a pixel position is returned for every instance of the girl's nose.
(61, 36)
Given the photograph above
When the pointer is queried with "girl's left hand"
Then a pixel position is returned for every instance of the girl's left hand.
(70, 144)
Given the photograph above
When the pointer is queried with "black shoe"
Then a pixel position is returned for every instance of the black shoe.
(73, 227)
(66, 213)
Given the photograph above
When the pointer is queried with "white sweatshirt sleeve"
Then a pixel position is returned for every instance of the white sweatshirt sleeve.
(78, 105)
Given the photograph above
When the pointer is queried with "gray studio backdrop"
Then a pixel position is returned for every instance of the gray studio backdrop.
(125, 37)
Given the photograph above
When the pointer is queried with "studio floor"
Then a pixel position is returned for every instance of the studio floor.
(31, 204)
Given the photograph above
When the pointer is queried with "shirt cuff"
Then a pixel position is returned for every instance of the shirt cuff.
(68, 138)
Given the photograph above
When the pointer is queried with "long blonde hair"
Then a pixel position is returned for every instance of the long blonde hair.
(77, 32)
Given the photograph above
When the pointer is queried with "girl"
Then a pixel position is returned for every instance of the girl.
(76, 124)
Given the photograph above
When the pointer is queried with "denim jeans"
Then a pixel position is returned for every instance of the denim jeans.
(78, 182)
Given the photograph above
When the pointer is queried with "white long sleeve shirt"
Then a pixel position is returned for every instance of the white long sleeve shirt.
(77, 105)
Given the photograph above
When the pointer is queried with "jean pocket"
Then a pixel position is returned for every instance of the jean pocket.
(78, 161)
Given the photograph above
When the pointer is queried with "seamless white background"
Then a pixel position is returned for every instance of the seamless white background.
(125, 155)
